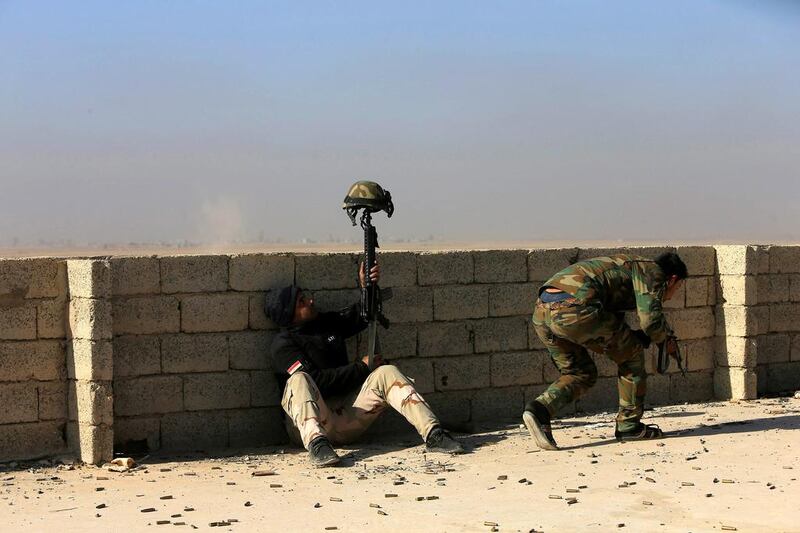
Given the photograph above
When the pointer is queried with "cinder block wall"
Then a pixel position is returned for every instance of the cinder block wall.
(33, 374)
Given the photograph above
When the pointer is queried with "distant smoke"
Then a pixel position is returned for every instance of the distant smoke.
(221, 221)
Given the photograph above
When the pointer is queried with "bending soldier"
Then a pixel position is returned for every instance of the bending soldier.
(327, 398)
(582, 308)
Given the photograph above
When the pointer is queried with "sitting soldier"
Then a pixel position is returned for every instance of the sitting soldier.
(329, 399)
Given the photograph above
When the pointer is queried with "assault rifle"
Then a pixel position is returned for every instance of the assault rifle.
(667, 351)
(370, 197)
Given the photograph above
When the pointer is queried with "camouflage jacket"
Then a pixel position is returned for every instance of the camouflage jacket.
(619, 283)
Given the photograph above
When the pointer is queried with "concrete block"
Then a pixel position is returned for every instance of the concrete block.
(738, 290)
(221, 390)
(465, 372)
(542, 264)
(53, 400)
(761, 380)
(678, 300)
(214, 312)
(512, 299)
(761, 315)
(795, 351)
(762, 258)
(51, 318)
(90, 360)
(517, 368)
(91, 402)
(736, 259)
(264, 389)
(695, 387)
(33, 278)
(736, 321)
(794, 287)
(736, 351)
(194, 273)
(501, 266)
(774, 348)
(90, 319)
(420, 371)
(398, 269)
(697, 291)
(194, 353)
(256, 427)
(699, 354)
(257, 313)
(148, 395)
(137, 355)
(89, 278)
(783, 377)
(444, 338)
(32, 441)
(452, 408)
(658, 386)
(250, 350)
(146, 315)
(20, 403)
(410, 304)
(135, 275)
(603, 396)
(400, 340)
(784, 317)
(194, 431)
(498, 404)
(784, 259)
(500, 334)
(335, 300)
(258, 272)
(327, 271)
(773, 288)
(128, 431)
(39, 360)
(699, 260)
(454, 302)
(18, 322)
(441, 268)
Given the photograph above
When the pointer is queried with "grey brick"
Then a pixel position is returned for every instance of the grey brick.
(738, 290)
(146, 315)
(452, 408)
(410, 304)
(444, 338)
(29, 441)
(226, 390)
(400, 340)
(455, 302)
(398, 269)
(194, 273)
(194, 431)
(421, 371)
(33, 278)
(18, 323)
(264, 389)
(256, 427)
(783, 377)
(135, 275)
(440, 268)
(773, 288)
(90, 318)
(697, 291)
(757, 320)
(148, 395)
(736, 383)
(794, 287)
(500, 334)
(774, 348)
(736, 259)
(39, 360)
(657, 390)
(501, 266)
(90, 360)
(795, 353)
(783, 259)
(327, 271)
(214, 312)
(497, 404)
(736, 351)
(678, 300)
(94, 444)
(258, 272)
(542, 264)
(784, 317)
(517, 368)
(51, 318)
(91, 402)
(89, 278)
(257, 314)
(250, 350)
(699, 260)
(699, 354)
(695, 387)
(465, 372)
(603, 396)
(510, 300)
(335, 300)
(20, 402)
(53, 400)
(194, 353)
(692, 323)
(137, 355)
(131, 430)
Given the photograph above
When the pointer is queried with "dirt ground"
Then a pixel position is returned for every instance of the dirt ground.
(724, 467)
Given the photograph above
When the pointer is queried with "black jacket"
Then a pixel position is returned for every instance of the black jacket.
(318, 348)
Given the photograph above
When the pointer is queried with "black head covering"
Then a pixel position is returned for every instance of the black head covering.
(280, 304)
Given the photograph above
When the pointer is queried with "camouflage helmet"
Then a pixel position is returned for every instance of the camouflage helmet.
(369, 196)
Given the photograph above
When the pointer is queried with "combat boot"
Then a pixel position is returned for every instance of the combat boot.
(321, 453)
(537, 420)
(440, 441)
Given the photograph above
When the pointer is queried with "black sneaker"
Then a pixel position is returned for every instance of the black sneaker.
(321, 452)
(537, 420)
(640, 432)
(440, 441)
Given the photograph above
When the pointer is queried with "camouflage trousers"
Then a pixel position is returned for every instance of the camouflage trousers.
(344, 419)
(569, 329)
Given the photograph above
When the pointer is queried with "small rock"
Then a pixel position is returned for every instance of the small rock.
(555, 497)
(261, 473)
(248, 504)
(647, 503)
(162, 522)
(687, 484)
(382, 513)
(491, 524)
(335, 499)
(390, 495)
(167, 497)
(148, 510)
(499, 478)
(317, 505)
(101, 506)
(376, 506)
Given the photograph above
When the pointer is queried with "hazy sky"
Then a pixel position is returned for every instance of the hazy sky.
(586, 119)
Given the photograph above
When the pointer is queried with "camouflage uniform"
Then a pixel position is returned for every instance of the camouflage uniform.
(592, 318)
(344, 418)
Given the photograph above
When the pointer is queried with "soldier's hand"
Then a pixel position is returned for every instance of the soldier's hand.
(374, 274)
(671, 346)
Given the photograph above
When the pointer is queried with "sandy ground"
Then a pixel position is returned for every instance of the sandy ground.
(724, 465)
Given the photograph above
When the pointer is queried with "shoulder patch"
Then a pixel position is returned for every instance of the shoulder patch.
(294, 367)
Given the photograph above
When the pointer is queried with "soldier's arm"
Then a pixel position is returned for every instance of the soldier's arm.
(649, 293)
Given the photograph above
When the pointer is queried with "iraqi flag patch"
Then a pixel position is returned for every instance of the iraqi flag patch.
(294, 367)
